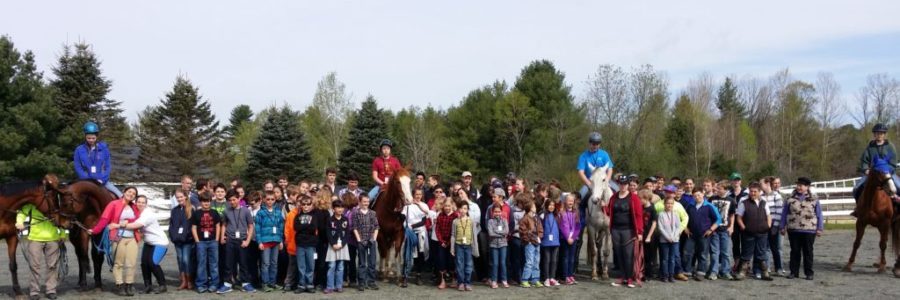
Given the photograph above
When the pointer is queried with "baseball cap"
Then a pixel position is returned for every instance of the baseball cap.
(467, 174)
(669, 189)
(499, 191)
(735, 176)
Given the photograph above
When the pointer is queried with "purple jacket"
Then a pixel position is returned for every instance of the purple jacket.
(569, 225)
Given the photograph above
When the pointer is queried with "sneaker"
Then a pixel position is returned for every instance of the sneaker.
(525, 284)
(681, 277)
(339, 290)
(547, 283)
(362, 288)
(248, 288)
(757, 276)
(373, 287)
(631, 285)
(468, 287)
(554, 282)
(713, 277)
(698, 277)
(299, 291)
(461, 288)
(728, 277)
(224, 290)
(537, 284)
(267, 289)
(616, 283)
(493, 285)
(201, 290)
(505, 284)
(327, 291)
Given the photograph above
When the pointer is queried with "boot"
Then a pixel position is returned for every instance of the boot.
(160, 289)
(183, 285)
(765, 273)
(743, 268)
(120, 290)
(403, 282)
(190, 281)
(129, 290)
(418, 279)
(148, 288)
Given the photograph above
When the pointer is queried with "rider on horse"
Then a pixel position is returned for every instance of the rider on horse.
(880, 156)
(92, 159)
(591, 158)
(382, 169)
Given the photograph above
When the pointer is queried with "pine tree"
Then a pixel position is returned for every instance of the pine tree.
(368, 129)
(29, 122)
(179, 136)
(240, 114)
(82, 91)
(280, 149)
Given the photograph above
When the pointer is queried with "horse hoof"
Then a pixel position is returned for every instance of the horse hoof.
(897, 272)
(881, 270)
(594, 278)
(847, 268)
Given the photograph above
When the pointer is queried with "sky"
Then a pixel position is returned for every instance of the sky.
(406, 53)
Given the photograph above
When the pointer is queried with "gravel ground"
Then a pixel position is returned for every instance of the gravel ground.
(832, 250)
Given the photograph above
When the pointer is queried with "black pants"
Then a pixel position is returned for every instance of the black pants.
(148, 268)
(801, 246)
(321, 265)
(549, 262)
(651, 263)
(516, 257)
(236, 257)
(281, 273)
(350, 275)
(736, 245)
(623, 249)
(253, 263)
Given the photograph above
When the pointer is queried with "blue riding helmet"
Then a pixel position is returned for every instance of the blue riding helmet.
(91, 128)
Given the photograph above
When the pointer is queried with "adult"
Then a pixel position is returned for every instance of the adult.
(802, 217)
(382, 168)
(180, 234)
(626, 215)
(468, 186)
(352, 186)
(187, 184)
(155, 246)
(124, 241)
(44, 239)
(92, 159)
(593, 157)
(880, 156)
(330, 181)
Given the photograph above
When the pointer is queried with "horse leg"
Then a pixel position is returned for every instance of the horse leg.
(97, 259)
(81, 254)
(860, 231)
(884, 229)
(592, 255)
(398, 249)
(607, 245)
(11, 244)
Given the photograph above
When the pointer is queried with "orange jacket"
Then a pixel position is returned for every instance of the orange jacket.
(289, 231)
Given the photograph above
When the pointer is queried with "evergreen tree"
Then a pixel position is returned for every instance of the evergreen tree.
(368, 129)
(472, 133)
(82, 91)
(29, 122)
(280, 149)
(179, 136)
(239, 115)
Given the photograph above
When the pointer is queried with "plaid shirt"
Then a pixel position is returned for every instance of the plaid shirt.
(366, 224)
(445, 227)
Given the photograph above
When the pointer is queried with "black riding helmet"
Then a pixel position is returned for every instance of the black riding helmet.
(386, 142)
(595, 138)
(879, 128)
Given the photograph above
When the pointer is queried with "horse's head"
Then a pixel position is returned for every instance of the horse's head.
(53, 197)
(404, 181)
(598, 182)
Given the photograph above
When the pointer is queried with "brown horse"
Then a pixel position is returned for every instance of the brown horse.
(85, 201)
(12, 197)
(390, 222)
(875, 208)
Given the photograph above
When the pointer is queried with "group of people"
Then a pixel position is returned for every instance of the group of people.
(319, 235)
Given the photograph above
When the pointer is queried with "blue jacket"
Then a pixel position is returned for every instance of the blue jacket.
(97, 160)
(551, 231)
(269, 226)
(702, 219)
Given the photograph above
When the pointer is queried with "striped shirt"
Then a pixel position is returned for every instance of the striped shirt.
(775, 204)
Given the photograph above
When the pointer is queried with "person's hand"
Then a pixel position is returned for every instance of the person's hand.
(783, 232)
(818, 233)
(571, 241)
(261, 247)
(335, 247)
(113, 226)
(20, 226)
(90, 232)
(280, 246)
(688, 233)
(245, 244)
(222, 241)
(867, 171)
(707, 233)
(640, 237)
(453, 252)
(648, 239)
(730, 230)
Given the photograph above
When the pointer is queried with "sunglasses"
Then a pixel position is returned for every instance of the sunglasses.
(305, 204)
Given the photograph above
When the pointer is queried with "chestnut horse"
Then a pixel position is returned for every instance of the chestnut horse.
(390, 222)
(875, 208)
(12, 197)
(85, 201)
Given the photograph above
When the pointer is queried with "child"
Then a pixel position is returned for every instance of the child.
(444, 230)
(205, 229)
(416, 213)
(461, 239)
(549, 243)
(670, 228)
(669, 193)
(365, 229)
(530, 231)
(498, 229)
(651, 240)
(291, 209)
(270, 224)
(238, 230)
(703, 219)
(338, 232)
(569, 226)
(306, 238)
(754, 220)
(720, 242)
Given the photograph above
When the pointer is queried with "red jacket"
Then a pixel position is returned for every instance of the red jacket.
(637, 211)
(111, 215)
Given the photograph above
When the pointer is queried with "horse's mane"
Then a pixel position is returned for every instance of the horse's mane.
(869, 191)
(18, 187)
(394, 191)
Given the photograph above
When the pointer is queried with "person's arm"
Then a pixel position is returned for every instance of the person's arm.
(251, 227)
(730, 224)
(375, 234)
(194, 233)
(453, 237)
(713, 216)
(106, 168)
(682, 216)
(584, 178)
(375, 177)
(79, 167)
(104, 220)
(784, 212)
(220, 232)
(864, 160)
(820, 220)
(650, 233)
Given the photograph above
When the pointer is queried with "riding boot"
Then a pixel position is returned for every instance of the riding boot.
(419, 278)
(120, 290)
(403, 282)
(129, 290)
(765, 272)
(148, 288)
(743, 268)
(160, 289)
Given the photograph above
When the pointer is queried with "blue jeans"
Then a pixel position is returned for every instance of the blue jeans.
(516, 253)
(112, 188)
(269, 265)
(668, 259)
(697, 245)
(184, 253)
(366, 261)
(305, 265)
(464, 265)
(568, 258)
(207, 265)
(720, 248)
(498, 264)
(335, 278)
(374, 193)
(753, 246)
(531, 272)
(676, 255)
(775, 249)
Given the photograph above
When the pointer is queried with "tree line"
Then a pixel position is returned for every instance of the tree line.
(535, 126)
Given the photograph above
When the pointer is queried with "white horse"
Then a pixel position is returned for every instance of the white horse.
(597, 222)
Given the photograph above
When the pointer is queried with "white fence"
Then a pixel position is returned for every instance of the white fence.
(835, 196)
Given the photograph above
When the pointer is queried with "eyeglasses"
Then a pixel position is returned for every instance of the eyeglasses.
(305, 204)
(270, 199)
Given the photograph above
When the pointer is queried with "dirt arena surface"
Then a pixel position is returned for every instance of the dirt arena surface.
(832, 250)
